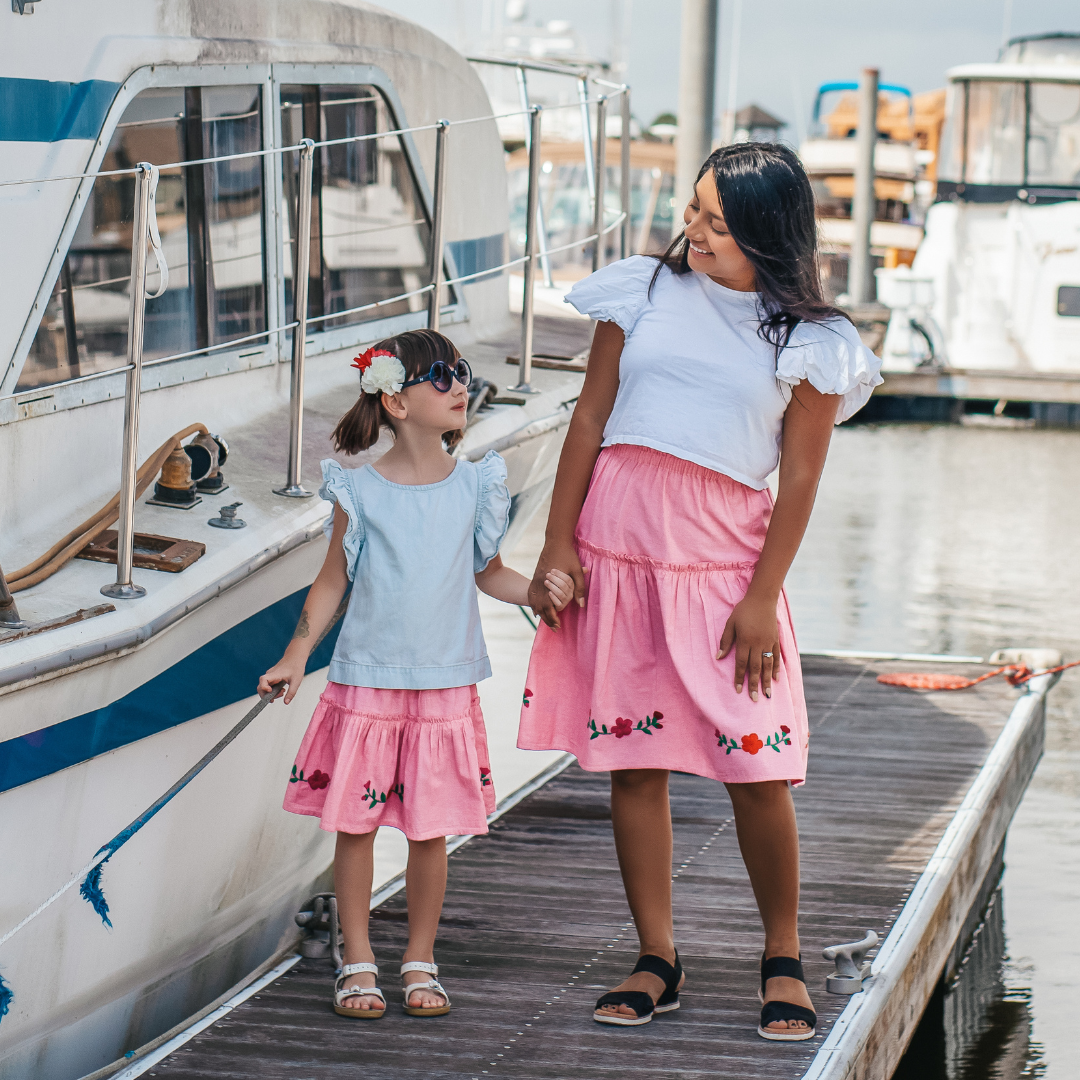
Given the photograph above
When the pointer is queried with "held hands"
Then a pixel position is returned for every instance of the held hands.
(558, 579)
(751, 631)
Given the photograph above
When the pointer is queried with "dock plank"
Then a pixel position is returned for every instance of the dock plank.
(535, 926)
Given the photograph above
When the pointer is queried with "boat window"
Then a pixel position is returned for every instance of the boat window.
(1054, 134)
(208, 211)
(951, 150)
(370, 234)
(995, 133)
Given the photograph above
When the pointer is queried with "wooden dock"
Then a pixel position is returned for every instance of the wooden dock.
(902, 819)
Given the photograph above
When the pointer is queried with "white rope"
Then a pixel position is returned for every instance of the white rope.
(100, 857)
(155, 238)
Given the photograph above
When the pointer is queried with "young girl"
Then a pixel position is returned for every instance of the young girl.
(398, 737)
(706, 364)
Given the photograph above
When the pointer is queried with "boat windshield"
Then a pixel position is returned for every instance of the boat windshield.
(1012, 133)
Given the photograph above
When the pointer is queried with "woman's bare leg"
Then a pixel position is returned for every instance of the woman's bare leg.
(425, 887)
(353, 869)
(641, 821)
(769, 842)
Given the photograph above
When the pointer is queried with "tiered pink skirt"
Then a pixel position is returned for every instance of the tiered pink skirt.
(631, 681)
(416, 760)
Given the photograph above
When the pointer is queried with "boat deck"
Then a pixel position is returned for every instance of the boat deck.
(535, 925)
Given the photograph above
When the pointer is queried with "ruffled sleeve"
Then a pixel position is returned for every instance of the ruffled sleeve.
(831, 356)
(492, 510)
(616, 293)
(337, 489)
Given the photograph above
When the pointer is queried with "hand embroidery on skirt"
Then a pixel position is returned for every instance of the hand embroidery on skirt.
(752, 744)
(378, 797)
(485, 777)
(525, 697)
(317, 780)
(623, 727)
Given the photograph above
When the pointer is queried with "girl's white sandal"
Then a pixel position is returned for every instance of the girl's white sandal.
(432, 984)
(341, 993)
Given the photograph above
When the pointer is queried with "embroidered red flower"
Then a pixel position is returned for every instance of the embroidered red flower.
(657, 717)
(363, 361)
(751, 743)
(485, 777)
(525, 698)
(786, 730)
(622, 727)
(318, 779)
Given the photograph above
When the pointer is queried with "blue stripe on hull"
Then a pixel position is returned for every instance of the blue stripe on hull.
(34, 110)
(219, 673)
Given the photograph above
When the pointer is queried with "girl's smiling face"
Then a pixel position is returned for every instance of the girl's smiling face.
(712, 249)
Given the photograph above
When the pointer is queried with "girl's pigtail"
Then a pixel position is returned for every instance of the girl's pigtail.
(358, 429)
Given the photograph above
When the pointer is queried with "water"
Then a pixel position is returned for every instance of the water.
(946, 539)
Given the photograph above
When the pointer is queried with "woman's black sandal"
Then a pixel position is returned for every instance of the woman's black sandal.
(784, 1011)
(638, 1000)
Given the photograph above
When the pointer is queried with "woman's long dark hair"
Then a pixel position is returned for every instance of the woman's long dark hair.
(768, 206)
(417, 350)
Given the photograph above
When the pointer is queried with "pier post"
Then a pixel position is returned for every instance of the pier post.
(525, 363)
(123, 588)
(697, 88)
(864, 203)
(437, 218)
(293, 489)
(601, 177)
(624, 173)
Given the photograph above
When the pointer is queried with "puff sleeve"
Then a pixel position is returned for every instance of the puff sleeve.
(616, 293)
(833, 359)
(492, 510)
(337, 489)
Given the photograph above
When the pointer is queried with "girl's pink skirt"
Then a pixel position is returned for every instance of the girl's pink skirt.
(631, 681)
(413, 759)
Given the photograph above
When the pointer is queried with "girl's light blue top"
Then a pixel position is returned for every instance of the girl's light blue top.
(413, 622)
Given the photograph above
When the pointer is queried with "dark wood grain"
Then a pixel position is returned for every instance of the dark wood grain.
(536, 926)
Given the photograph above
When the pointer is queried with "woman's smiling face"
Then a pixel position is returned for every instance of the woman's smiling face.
(712, 249)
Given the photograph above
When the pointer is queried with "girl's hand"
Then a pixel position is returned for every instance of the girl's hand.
(751, 630)
(286, 670)
(560, 588)
(562, 558)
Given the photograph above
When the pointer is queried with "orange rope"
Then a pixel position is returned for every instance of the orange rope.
(1016, 674)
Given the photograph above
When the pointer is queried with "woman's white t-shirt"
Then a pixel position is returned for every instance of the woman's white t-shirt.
(697, 381)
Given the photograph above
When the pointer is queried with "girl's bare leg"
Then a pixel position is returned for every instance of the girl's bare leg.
(641, 821)
(353, 869)
(769, 842)
(425, 886)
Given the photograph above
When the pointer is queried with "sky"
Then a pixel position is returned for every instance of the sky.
(786, 48)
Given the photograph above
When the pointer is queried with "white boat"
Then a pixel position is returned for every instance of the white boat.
(990, 308)
(103, 706)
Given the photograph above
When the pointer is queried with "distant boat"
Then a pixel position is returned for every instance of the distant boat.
(990, 309)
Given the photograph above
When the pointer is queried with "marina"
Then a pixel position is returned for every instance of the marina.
(335, 176)
(530, 934)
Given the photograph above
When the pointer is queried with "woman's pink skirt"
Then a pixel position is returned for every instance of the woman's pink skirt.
(416, 760)
(631, 681)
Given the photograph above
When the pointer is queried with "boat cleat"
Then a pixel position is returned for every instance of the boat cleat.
(851, 968)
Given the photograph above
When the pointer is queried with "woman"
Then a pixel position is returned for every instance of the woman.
(709, 365)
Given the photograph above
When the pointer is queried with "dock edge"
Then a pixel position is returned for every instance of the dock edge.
(870, 1036)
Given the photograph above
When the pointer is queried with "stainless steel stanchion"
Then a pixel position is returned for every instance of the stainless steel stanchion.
(123, 588)
(293, 489)
(541, 225)
(601, 176)
(624, 173)
(586, 131)
(439, 195)
(525, 363)
(9, 613)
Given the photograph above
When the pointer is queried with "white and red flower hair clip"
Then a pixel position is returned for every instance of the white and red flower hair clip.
(381, 372)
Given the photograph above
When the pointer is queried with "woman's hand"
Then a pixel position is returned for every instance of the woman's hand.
(289, 669)
(555, 559)
(751, 631)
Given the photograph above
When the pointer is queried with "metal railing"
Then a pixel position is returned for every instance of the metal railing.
(144, 228)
